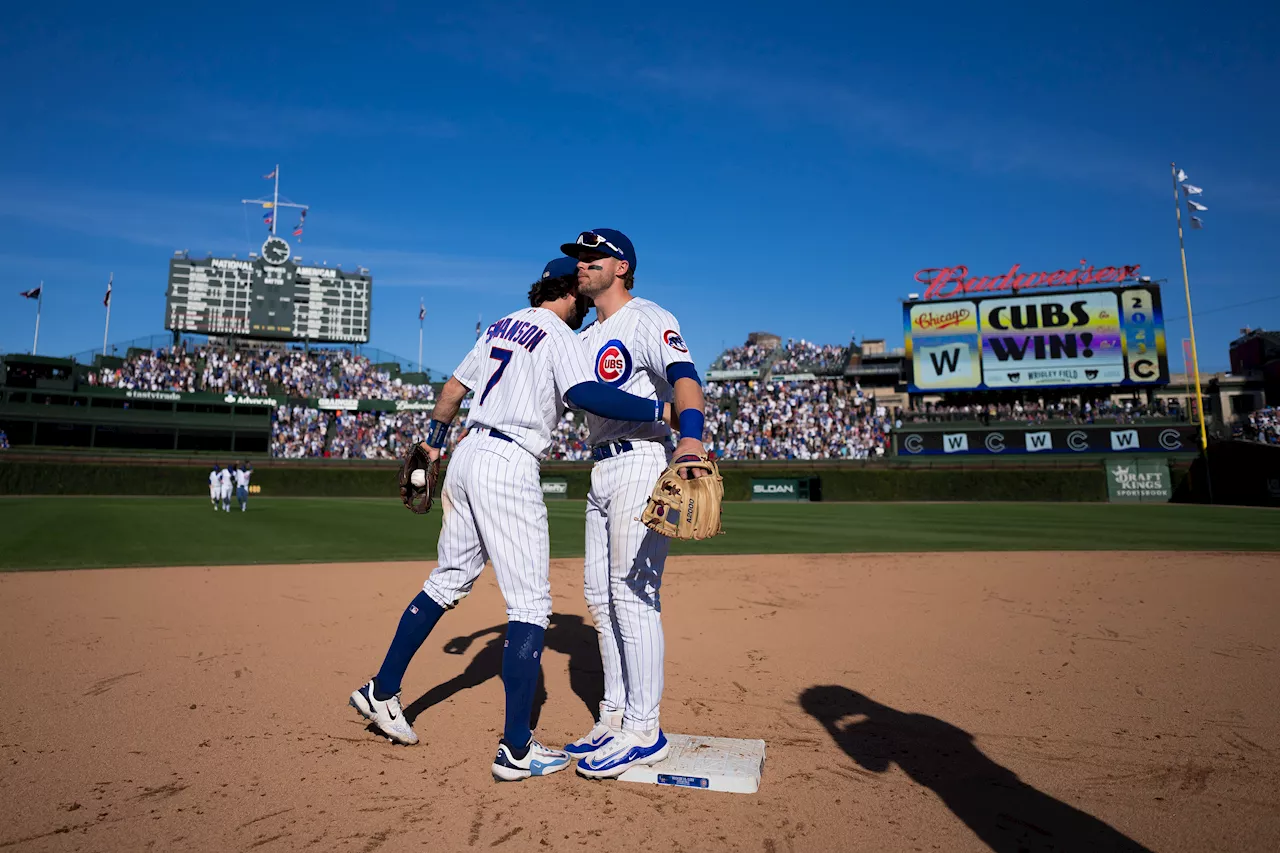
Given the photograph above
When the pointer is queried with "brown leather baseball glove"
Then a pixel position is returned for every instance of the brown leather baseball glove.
(686, 509)
(418, 498)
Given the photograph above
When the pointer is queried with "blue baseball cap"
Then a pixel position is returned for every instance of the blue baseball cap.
(607, 241)
(559, 267)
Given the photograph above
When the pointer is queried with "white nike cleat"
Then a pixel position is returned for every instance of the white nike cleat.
(538, 761)
(604, 731)
(386, 716)
(627, 749)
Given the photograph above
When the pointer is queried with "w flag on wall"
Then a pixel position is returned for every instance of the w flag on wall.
(106, 300)
(33, 293)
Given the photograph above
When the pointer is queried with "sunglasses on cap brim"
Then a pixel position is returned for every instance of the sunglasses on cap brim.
(592, 240)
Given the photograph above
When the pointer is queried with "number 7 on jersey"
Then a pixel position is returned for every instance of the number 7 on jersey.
(503, 356)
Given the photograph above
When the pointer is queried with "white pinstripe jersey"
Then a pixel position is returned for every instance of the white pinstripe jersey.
(519, 371)
(632, 350)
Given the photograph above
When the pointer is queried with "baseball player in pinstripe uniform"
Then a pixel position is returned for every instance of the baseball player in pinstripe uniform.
(523, 370)
(215, 486)
(636, 346)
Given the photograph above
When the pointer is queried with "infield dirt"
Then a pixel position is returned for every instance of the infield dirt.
(1011, 701)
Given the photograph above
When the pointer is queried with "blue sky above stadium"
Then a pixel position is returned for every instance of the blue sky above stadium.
(781, 168)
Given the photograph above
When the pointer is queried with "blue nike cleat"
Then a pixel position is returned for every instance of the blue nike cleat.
(601, 734)
(627, 749)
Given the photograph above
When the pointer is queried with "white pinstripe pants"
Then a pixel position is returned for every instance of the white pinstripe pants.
(623, 576)
(494, 510)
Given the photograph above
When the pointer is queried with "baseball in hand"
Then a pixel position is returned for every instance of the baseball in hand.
(418, 477)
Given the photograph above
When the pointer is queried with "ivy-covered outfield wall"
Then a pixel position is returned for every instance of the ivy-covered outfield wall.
(870, 483)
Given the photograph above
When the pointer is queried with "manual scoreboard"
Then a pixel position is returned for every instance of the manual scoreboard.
(271, 296)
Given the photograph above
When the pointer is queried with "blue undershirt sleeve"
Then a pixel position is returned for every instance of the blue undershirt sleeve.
(609, 402)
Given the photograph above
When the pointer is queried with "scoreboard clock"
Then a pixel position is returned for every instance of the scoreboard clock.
(271, 296)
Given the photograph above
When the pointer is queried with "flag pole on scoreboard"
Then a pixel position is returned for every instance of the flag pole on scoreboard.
(39, 305)
(107, 301)
(275, 200)
(1191, 324)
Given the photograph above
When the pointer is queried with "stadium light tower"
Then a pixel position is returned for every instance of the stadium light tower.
(274, 203)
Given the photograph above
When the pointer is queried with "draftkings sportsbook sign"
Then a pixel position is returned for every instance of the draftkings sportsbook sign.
(1111, 336)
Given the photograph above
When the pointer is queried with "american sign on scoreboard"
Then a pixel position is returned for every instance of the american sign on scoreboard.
(1110, 336)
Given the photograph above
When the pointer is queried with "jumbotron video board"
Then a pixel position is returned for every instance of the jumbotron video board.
(271, 296)
(1110, 336)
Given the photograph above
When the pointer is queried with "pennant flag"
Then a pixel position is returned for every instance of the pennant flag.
(1196, 223)
(106, 300)
(1194, 205)
(1182, 176)
(297, 232)
(34, 293)
(1191, 190)
(304, 214)
(422, 311)
(267, 205)
(477, 328)
(270, 176)
(266, 217)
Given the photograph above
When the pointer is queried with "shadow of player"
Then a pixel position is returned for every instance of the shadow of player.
(566, 634)
(1006, 813)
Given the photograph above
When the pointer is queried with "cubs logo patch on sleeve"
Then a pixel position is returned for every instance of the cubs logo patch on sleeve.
(672, 339)
(613, 363)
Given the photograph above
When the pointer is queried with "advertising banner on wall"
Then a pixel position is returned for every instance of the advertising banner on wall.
(1138, 480)
(994, 441)
(1112, 336)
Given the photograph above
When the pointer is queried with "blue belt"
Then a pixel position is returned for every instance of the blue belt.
(498, 434)
(610, 449)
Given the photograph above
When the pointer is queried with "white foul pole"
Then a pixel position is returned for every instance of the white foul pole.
(35, 345)
(106, 327)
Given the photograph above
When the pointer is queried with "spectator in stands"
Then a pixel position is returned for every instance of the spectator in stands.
(746, 357)
(260, 373)
(298, 432)
(794, 420)
(4, 440)
(1263, 425)
(804, 357)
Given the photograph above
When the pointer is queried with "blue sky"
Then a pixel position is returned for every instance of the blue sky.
(785, 168)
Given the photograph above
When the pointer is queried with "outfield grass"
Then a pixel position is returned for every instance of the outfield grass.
(68, 533)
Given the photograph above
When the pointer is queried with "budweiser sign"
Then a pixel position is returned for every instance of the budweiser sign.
(949, 282)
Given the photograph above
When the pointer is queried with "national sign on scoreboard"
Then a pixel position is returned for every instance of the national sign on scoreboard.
(1112, 336)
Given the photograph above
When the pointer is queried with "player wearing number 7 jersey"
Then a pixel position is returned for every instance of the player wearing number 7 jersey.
(523, 370)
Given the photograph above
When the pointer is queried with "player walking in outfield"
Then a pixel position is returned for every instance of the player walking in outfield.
(242, 487)
(215, 486)
(225, 478)
(636, 346)
(523, 370)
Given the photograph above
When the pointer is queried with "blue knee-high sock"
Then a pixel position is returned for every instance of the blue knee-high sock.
(419, 618)
(521, 662)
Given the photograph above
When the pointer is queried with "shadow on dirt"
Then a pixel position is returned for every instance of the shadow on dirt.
(568, 635)
(1003, 811)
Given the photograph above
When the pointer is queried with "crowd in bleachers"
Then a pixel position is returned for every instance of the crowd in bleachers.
(746, 357)
(1263, 425)
(160, 370)
(794, 420)
(298, 432)
(260, 372)
(804, 355)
